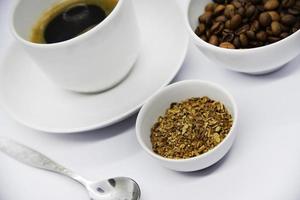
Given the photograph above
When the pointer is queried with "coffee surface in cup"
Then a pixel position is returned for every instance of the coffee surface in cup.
(70, 18)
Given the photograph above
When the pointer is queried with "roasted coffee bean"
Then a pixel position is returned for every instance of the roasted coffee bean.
(255, 26)
(236, 42)
(244, 40)
(271, 4)
(214, 40)
(206, 18)
(255, 15)
(235, 21)
(273, 39)
(269, 30)
(256, 43)
(296, 26)
(288, 3)
(284, 35)
(250, 11)
(217, 27)
(228, 35)
(294, 11)
(261, 36)
(221, 18)
(228, 38)
(229, 11)
(237, 4)
(274, 15)
(265, 19)
(242, 29)
(276, 28)
(227, 45)
(297, 5)
(251, 35)
(260, 8)
(210, 7)
(197, 31)
(285, 28)
(201, 28)
(208, 33)
(241, 11)
(219, 9)
(288, 20)
(203, 37)
(294, 30)
(260, 44)
(227, 31)
(227, 24)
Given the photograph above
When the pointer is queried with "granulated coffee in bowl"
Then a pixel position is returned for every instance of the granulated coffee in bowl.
(70, 18)
(190, 128)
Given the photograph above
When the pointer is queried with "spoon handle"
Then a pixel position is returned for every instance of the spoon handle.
(35, 159)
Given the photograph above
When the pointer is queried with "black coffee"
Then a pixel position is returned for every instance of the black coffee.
(64, 22)
(73, 22)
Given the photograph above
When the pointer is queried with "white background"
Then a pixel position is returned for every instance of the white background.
(264, 163)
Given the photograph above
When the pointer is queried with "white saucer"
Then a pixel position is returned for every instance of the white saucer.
(35, 102)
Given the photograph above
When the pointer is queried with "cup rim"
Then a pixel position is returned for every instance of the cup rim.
(148, 105)
(201, 42)
(78, 38)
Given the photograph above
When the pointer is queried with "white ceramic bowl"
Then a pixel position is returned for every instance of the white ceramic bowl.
(253, 61)
(177, 92)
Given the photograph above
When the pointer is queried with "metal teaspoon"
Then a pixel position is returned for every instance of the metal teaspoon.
(119, 188)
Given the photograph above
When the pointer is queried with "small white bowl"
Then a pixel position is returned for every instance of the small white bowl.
(258, 60)
(178, 92)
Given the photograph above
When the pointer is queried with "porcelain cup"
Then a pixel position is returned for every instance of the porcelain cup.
(91, 62)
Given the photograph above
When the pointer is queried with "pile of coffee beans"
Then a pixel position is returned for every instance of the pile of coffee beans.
(240, 24)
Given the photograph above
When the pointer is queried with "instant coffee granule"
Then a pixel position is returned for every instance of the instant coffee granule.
(190, 128)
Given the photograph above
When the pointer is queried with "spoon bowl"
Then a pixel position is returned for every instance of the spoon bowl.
(121, 188)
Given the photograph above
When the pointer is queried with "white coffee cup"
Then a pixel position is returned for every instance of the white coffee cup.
(91, 62)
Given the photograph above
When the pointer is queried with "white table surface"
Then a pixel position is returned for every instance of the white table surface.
(264, 163)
